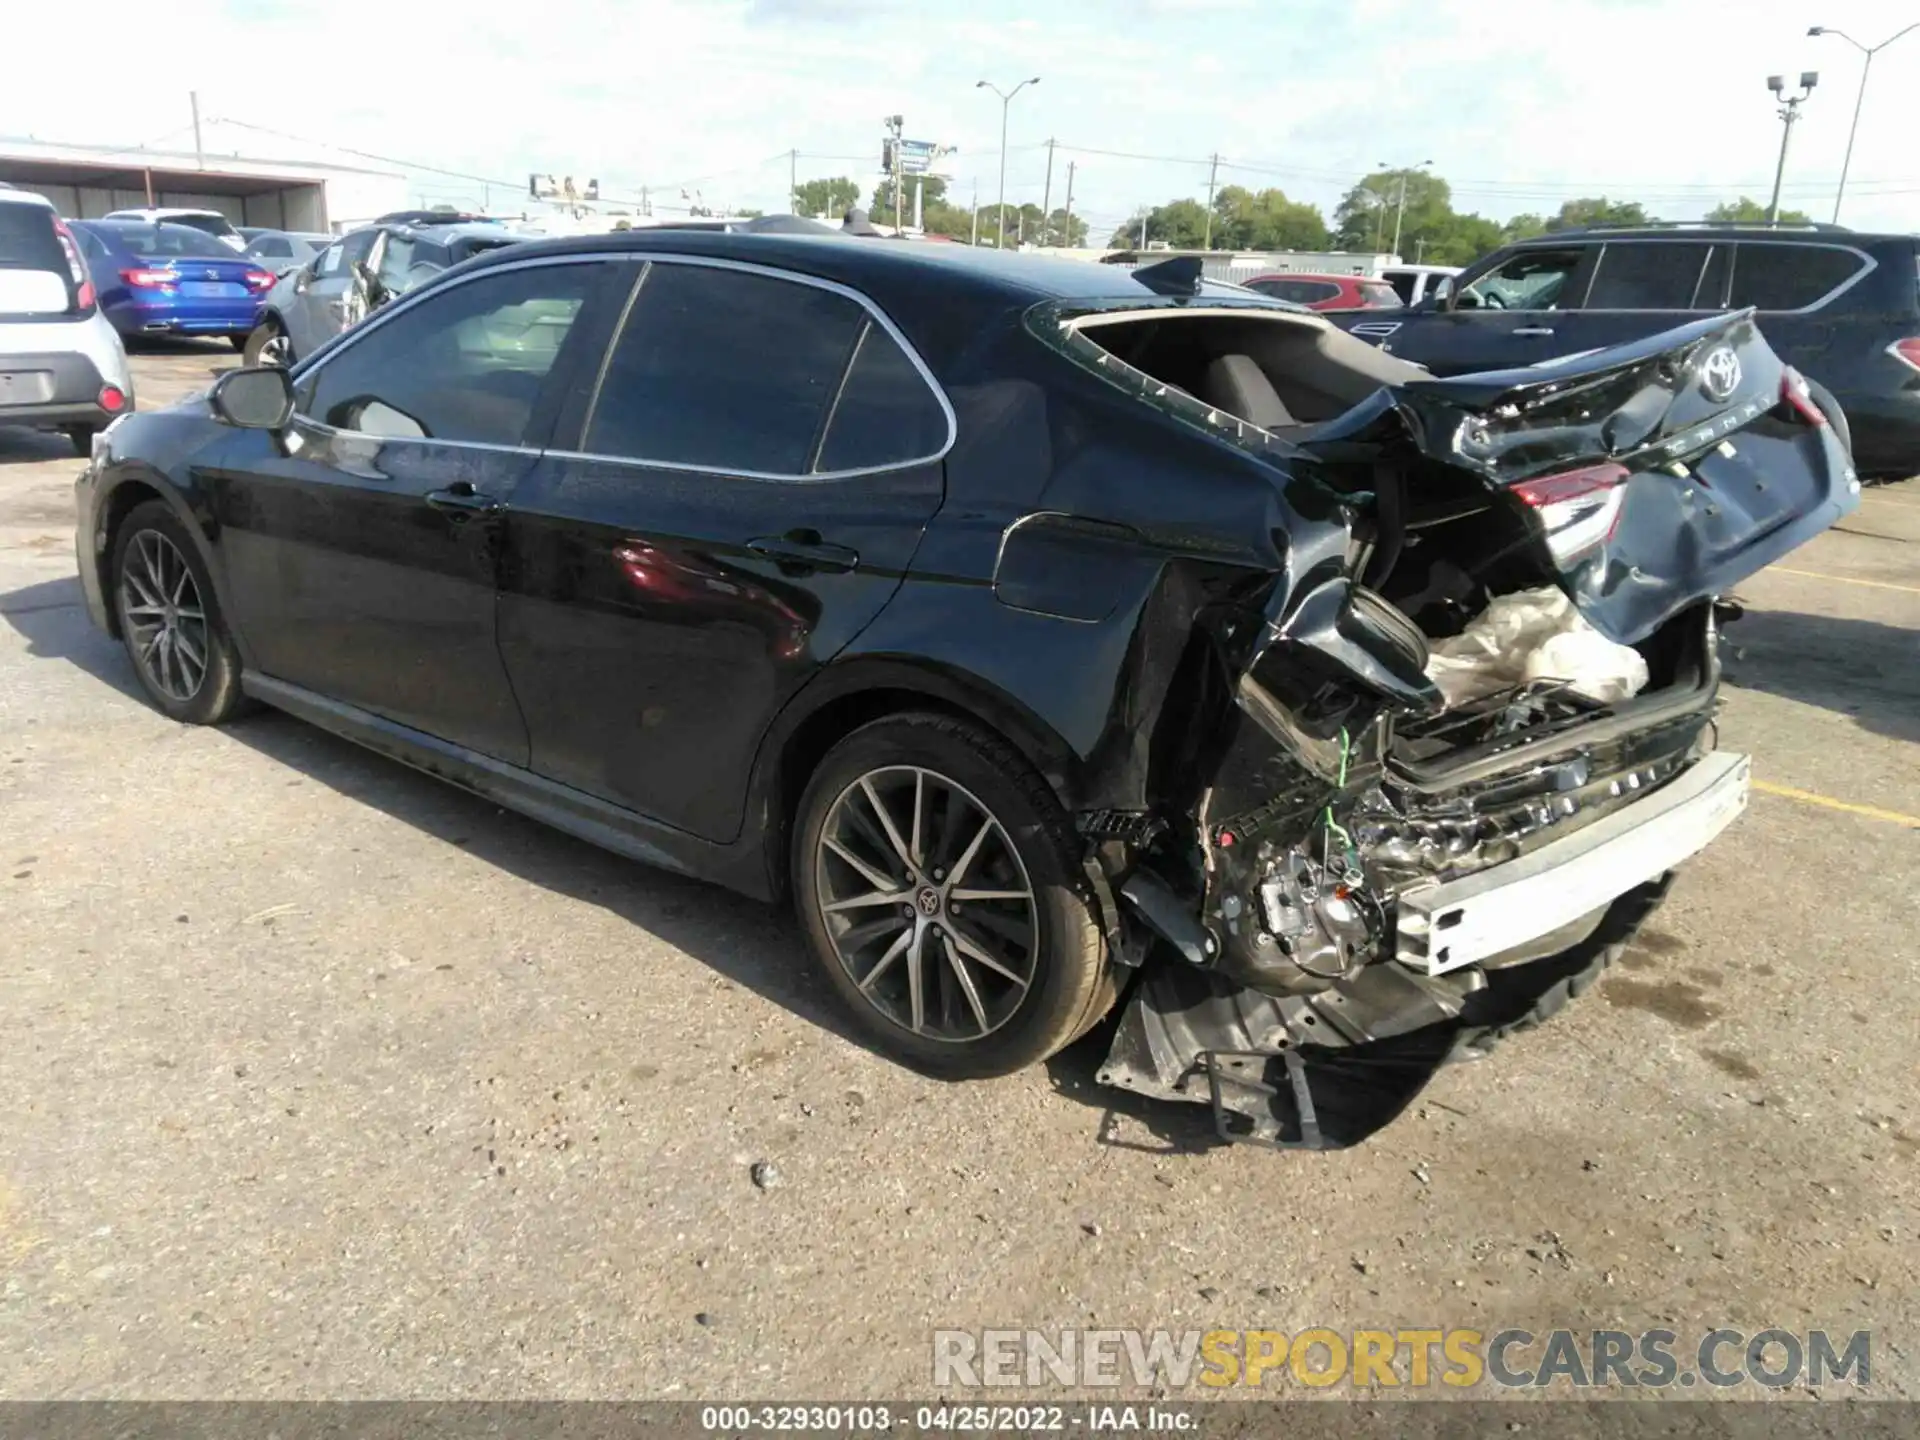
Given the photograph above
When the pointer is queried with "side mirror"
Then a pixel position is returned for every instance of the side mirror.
(259, 397)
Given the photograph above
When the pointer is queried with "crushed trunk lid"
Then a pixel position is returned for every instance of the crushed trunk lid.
(1652, 475)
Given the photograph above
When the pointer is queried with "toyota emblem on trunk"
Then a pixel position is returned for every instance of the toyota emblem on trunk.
(1720, 373)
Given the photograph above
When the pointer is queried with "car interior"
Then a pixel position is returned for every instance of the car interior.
(1282, 372)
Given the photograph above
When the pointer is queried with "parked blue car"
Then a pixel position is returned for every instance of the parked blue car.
(161, 279)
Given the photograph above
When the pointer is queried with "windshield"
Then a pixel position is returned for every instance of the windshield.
(210, 224)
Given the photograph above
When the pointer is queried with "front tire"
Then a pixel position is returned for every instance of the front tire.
(170, 619)
(937, 880)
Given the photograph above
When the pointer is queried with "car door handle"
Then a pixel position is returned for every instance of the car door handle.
(803, 550)
(461, 500)
(1534, 330)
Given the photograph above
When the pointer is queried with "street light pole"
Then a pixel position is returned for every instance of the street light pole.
(1789, 112)
(1859, 99)
(1006, 100)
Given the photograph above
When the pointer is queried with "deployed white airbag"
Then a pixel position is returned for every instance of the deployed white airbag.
(1533, 635)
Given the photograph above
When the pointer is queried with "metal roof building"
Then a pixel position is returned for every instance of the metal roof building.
(86, 181)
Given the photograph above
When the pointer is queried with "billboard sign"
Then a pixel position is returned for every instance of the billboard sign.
(917, 157)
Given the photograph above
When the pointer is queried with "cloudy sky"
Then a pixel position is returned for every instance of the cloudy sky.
(1518, 103)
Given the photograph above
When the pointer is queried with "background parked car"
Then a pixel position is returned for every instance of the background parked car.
(61, 364)
(211, 221)
(1414, 283)
(356, 274)
(281, 250)
(1841, 307)
(171, 279)
(1326, 292)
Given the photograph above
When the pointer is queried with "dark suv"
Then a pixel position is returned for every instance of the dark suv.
(1842, 307)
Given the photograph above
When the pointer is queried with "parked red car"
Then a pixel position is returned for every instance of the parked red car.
(1327, 292)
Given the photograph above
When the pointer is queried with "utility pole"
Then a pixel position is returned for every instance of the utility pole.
(1143, 229)
(1067, 237)
(199, 156)
(919, 201)
(976, 213)
(1213, 173)
(1046, 196)
(897, 124)
(793, 181)
(1789, 112)
(1400, 210)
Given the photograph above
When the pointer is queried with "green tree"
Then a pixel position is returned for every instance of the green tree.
(1598, 210)
(826, 199)
(1523, 227)
(1453, 240)
(1266, 220)
(1364, 219)
(1751, 212)
(1181, 224)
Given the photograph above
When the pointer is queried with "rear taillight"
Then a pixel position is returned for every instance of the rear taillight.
(82, 282)
(1906, 351)
(259, 279)
(112, 399)
(1577, 508)
(142, 279)
(1797, 397)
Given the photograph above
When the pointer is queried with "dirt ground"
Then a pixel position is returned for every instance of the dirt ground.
(322, 1079)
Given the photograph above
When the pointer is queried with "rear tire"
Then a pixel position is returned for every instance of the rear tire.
(81, 438)
(170, 619)
(267, 345)
(985, 932)
(240, 342)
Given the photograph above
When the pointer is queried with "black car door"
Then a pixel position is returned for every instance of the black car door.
(1518, 311)
(361, 543)
(732, 503)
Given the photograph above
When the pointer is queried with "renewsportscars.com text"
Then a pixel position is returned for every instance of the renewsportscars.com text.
(1410, 1358)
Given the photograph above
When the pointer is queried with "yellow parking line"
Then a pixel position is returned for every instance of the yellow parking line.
(1870, 812)
(1845, 579)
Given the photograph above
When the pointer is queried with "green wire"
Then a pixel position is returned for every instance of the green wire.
(1333, 826)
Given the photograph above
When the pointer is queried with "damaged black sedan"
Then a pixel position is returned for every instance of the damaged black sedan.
(1054, 636)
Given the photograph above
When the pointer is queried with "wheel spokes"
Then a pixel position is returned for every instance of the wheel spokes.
(967, 987)
(934, 973)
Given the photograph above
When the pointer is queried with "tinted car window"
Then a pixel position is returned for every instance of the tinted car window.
(167, 238)
(466, 364)
(330, 261)
(358, 245)
(1647, 275)
(1788, 277)
(724, 370)
(27, 239)
(276, 247)
(1403, 286)
(886, 414)
(1529, 280)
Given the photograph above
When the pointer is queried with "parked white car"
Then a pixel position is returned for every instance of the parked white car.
(62, 366)
(211, 221)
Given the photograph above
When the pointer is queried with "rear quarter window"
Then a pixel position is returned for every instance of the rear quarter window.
(1790, 277)
(1648, 275)
(27, 241)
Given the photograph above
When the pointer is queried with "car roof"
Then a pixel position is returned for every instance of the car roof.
(159, 211)
(1765, 235)
(1307, 275)
(24, 197)
(863, 261)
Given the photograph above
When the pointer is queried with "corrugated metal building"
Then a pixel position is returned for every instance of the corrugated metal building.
(87, 181)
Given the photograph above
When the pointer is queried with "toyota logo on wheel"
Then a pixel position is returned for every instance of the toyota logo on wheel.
(1720, 373)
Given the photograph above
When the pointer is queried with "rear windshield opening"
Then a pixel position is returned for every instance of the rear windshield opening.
(1278, 371)
(27, 241)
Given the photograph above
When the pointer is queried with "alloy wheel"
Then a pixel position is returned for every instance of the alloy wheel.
(276, 350)
(161, 608)
(927, 903)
